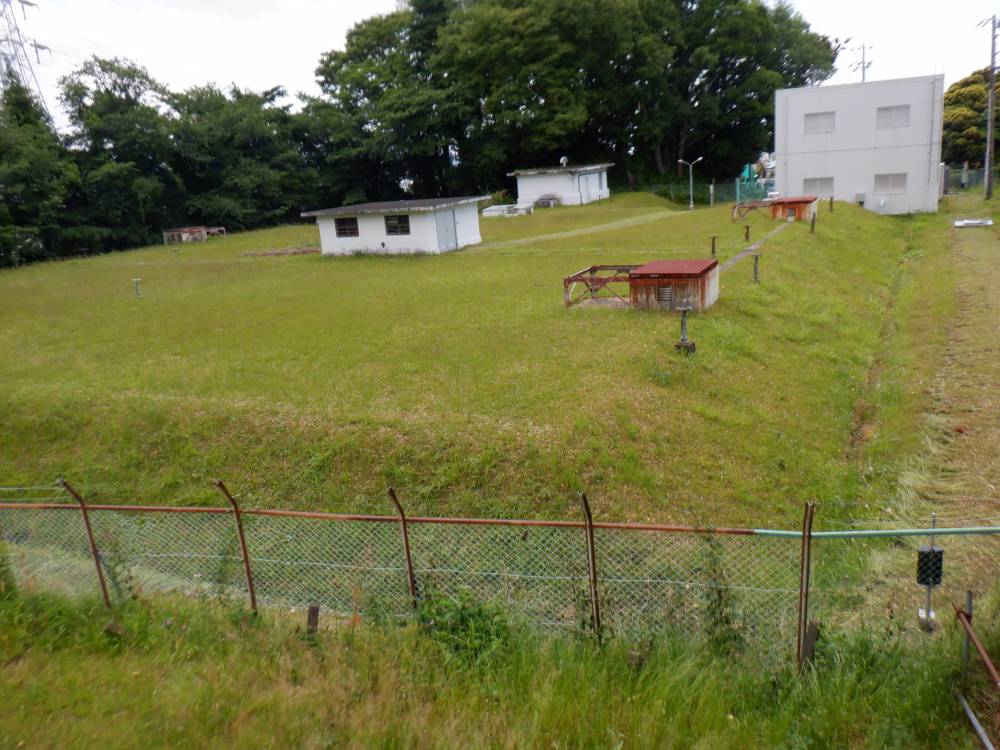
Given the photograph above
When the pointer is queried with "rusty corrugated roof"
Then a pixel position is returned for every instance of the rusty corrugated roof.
(683, 268)
(794, 199)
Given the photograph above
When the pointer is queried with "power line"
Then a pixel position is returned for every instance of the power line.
(14, 60)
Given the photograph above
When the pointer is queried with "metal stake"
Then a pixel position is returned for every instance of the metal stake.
(831, 204)
(243, 543)
(595, 605)
(756, 268)
(312, 619)
(805, 565)
(812, 225)
(928, 612)
(90, 539)
(714, 238)
(410, 577)
(746, 233)
(137, 283)
(965, 635)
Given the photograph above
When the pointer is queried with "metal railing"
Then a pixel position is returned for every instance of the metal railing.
(748, 588)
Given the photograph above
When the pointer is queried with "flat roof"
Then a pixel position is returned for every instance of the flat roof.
(395, 207)
(561, 170)
(681, 268)
(880, 82)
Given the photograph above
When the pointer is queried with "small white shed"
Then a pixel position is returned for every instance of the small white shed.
(564, 185)
(424, 225)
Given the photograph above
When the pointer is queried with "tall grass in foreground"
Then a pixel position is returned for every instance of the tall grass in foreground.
(185, 674)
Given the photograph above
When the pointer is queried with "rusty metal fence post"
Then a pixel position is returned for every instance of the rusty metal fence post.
(243, 543)
(805, 564)
(595, 604)
(90, 538)
(411, 579)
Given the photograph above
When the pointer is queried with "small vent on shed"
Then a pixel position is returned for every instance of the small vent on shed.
(664, 295)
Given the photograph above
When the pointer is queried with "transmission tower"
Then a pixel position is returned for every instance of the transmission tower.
(14, 60)
(864, 63)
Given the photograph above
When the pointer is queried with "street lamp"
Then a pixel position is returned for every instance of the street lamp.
(690, 166)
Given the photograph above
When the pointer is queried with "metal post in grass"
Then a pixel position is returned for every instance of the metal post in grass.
(411, 579)
(714, 238)
(812, 225)
(137, 283)
(831, 204)
(238, 515)
(595, 604)
(756, 268)
(965, 634)
(746, 232)
(805, 565)
(90, 539)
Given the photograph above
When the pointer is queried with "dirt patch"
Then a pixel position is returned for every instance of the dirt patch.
(294, 250)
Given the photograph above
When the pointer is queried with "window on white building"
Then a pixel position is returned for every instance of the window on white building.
(890, 183)
(347, 227)
(822, 186)
(820, 122)
(397, 224)
(893, 117)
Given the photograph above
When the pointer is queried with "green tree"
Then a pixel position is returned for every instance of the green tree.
(35, 177)
(120, 138)
(236, 156)
(965, 104)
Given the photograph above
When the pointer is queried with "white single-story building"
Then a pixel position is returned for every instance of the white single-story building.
(876, 143)
(424, 225)
(563, 185)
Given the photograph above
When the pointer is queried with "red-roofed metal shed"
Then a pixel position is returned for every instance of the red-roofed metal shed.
(794, 208)
(673, 284)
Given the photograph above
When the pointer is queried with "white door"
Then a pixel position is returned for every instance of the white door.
(584, 188)
(447, 237)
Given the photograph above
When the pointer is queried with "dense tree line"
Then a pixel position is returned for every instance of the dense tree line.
(439, 97)
(965, 104)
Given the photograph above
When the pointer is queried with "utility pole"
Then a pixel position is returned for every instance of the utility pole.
(865, 62)
(991, 104)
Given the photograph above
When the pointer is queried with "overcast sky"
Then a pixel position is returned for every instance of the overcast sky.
(258, 44)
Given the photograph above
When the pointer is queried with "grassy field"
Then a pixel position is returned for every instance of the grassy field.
(316, 383)
(310, 382)
(183, 674)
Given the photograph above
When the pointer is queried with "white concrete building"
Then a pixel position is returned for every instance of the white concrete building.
(876, 143)
(564, 186)
(426, 225)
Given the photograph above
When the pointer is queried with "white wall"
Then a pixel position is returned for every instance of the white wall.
(421, 239)
(856, 150)
(371, 236)
(467, 223)
(566, 185)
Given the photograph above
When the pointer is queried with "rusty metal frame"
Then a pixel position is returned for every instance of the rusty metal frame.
(238, 515)
(595, 603)
(595, 284)
(805, 565)
(444, 520)
(90, 538)
(965, 619)
(411, 579)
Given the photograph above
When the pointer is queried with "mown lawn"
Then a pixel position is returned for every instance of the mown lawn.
(460, 379)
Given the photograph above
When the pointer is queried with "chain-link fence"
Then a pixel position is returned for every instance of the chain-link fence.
(747, 587)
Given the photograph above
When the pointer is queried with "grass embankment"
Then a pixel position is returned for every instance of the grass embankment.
(315, 383)
(185, 674)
